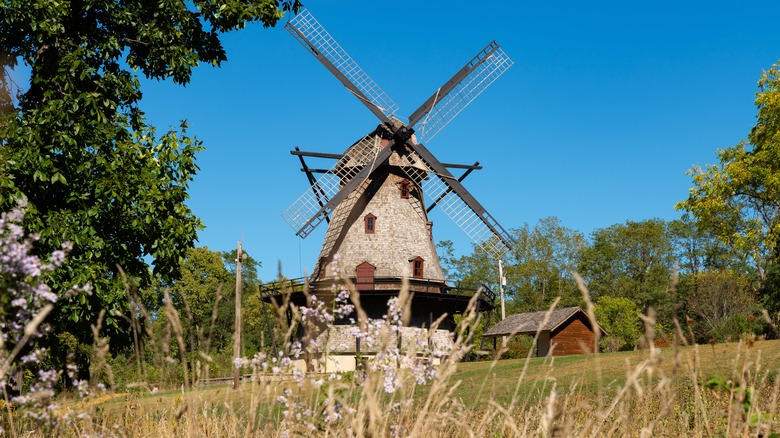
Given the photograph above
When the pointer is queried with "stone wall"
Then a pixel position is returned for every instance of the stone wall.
(340, 340)
(401, 231)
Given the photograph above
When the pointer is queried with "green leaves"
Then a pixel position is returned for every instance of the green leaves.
(77, 147)
(538, 269)
(203, 271)
(632, 260)
(620, 318)
(739, 199)
(57, 177)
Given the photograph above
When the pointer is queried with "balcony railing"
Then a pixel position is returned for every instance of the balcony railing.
(298, 285)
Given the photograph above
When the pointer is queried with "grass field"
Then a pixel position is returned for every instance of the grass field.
(606, 373)
(709, 390)
(683, 390)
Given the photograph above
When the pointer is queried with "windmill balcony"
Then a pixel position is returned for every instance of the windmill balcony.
(432, 298)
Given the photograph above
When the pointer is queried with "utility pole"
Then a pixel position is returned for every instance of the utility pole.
(237, 334)
(501, 284)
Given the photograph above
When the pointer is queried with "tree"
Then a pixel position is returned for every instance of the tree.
(249, 267)
(75, 144)
(538, 268)
(542, 262)
(449, 263)
(698, 250)
(632, 260)
(202, 273)
(722, 305)
(253, 326)
(770, 290)
(738, 200)
(620, 318)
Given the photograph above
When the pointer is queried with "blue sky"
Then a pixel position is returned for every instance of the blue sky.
(607, 105)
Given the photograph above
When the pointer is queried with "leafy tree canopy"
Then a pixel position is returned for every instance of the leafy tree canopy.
(620, 318)
(202, 273)
(698, 250)
(722, 304)
(633, 260)
(538, 268)
(75, 143)
(739, 198)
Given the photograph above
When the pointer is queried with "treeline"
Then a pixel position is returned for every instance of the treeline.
(673, 267)
(201, 313)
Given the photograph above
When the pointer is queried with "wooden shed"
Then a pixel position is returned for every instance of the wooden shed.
(566, 331)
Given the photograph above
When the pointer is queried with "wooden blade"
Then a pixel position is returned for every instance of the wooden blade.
(310, 33)
(457, 93)
(460, 206)
(307, 212)
(316, 190)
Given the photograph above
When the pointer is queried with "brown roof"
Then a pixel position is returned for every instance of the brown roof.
(529, 323)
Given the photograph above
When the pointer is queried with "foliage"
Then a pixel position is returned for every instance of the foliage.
(249, 267)
(538, 268)
(697, 250)
(253, 317)
(541, 264)
(634, 260)
(202, 273)
(75, 144)
(205, 296)
(770, 290)
(619, 316)
(723, 306)
(738, 200)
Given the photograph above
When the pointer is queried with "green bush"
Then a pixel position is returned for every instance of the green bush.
(620, 318)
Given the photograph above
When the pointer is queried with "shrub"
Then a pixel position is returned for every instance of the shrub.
(620, 318)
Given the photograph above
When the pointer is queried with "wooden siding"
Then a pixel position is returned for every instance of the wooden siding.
(573, 337)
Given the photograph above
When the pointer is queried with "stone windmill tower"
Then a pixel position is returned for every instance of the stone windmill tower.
(377, 196)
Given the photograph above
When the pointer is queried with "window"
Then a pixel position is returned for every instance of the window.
(370, 223)
(406, 189)
(418, 265)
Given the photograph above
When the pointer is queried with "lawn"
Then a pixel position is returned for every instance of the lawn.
(605, 373)
(664, 390)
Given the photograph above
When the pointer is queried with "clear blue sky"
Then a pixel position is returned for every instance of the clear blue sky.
(607, 105)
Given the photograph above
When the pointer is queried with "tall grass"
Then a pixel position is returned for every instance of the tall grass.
(679, 391)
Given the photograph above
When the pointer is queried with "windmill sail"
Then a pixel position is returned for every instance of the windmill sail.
(458, 204)
(345, 181)
(310, 33)
(308, 211)
(457, 93)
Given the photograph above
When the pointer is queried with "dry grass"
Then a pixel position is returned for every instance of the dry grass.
(643, 393)
(712, 390)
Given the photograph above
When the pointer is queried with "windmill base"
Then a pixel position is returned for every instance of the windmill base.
(342, 351)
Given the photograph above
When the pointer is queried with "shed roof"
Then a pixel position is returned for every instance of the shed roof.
(529, 323)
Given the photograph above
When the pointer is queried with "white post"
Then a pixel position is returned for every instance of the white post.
(237, 333)
(501, 283)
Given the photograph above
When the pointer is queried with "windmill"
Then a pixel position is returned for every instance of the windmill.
(376, 198)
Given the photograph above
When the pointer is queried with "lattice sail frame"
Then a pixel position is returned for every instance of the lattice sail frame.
(362, 153)
(465, 92)
(320, 41)
(435, 188)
